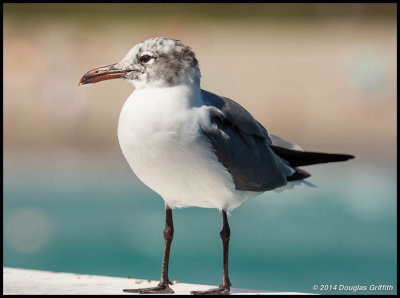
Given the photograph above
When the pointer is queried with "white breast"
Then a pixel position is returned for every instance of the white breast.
(159, 136)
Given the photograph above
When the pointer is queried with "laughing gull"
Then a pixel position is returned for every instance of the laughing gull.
(193, 147)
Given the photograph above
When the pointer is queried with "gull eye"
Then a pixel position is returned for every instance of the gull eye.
(145, 58)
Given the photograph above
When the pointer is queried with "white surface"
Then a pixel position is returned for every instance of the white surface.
(24, 281)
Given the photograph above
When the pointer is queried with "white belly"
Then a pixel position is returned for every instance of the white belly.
(159, 136)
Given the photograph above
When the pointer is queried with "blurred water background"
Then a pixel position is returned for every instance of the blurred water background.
(320, 75)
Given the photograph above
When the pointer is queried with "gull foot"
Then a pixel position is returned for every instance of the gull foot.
(160, 289)
(222, 290)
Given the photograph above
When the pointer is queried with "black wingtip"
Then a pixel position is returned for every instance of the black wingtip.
(341, 157)
(299, 175)
(304, 158)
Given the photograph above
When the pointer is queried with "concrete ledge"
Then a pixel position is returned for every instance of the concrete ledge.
(35, 282)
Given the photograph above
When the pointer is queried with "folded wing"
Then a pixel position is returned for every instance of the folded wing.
(242, 145)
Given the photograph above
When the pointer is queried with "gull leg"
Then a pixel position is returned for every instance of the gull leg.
(163, 286)
(225, 286)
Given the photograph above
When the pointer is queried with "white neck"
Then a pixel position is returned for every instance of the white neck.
(150, 110)
(180, 96)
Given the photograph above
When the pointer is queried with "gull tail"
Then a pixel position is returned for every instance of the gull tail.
(297, 158)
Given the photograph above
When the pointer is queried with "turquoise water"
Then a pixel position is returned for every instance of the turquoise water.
(104, 221)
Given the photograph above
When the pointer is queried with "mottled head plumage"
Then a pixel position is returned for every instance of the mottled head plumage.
(160, 62)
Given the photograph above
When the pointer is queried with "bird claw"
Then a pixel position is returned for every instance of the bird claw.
(216, 291)
(159, 289)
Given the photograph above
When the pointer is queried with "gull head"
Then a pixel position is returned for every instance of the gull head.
(155, 63)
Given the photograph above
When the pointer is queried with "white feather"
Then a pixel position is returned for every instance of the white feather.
(172, 157)
(292, 184)
(277, 141)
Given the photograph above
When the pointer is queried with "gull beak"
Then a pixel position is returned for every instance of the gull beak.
(103, 73)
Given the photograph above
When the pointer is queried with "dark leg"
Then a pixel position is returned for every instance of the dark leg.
(163, 286)
(225, 286)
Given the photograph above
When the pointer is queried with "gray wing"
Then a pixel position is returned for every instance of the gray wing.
(241, 144)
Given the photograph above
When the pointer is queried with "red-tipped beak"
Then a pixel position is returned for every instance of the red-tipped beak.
(102, 73)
